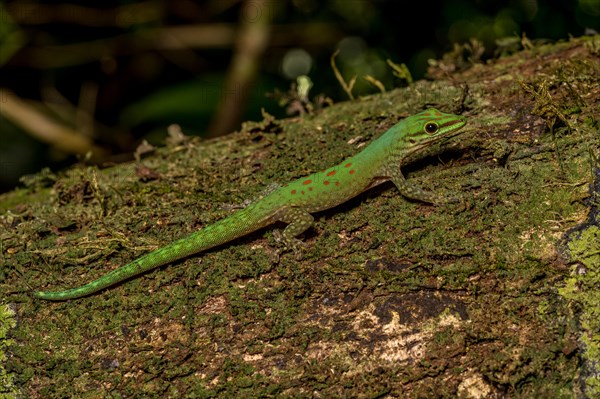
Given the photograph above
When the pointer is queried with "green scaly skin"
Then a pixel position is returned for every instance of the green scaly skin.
(294, 202)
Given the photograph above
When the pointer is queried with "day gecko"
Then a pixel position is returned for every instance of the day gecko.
(293, 203)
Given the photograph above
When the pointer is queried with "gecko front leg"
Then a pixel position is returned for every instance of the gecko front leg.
(413, 191)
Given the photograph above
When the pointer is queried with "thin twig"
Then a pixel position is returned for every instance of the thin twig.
(346, 86)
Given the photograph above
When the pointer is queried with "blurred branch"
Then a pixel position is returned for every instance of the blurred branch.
(44, 128)
(84, 118)
(171, 38)
(123, 16)
(252, 40)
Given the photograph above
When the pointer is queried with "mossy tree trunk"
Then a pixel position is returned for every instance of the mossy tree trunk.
(391, 298)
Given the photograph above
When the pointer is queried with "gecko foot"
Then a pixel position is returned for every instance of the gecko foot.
(288, 244)
(454, 204)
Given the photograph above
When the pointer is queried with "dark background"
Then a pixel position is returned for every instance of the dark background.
(121, 72)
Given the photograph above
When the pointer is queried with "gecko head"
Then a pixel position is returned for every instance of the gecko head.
(430, 126)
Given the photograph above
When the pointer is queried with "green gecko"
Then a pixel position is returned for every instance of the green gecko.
(293, 203)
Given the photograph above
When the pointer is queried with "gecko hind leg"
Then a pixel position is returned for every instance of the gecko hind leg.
(298, 222)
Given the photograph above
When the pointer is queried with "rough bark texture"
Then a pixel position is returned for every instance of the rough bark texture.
(391, 299)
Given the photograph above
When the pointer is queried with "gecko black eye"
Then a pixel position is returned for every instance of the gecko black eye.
(431, 127)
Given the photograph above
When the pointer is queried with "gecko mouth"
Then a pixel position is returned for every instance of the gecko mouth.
(456, 124)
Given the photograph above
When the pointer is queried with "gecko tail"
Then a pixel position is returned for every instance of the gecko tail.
(179, 249)
(138, 266)
(221, 232)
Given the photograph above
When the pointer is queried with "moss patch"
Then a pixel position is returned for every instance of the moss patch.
(582, 291)
(8, 390)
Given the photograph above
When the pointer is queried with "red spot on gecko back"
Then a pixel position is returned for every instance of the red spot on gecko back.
(351, 171)
(331, 173)
(348, 165)
(305, 182)
(293, 192)
(326, 182)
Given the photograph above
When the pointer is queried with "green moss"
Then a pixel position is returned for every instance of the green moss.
(581, 289)
(7, 322)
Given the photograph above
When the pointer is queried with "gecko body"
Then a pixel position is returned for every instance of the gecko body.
(293, 203)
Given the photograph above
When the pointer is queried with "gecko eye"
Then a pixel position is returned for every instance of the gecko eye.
(431, 127)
